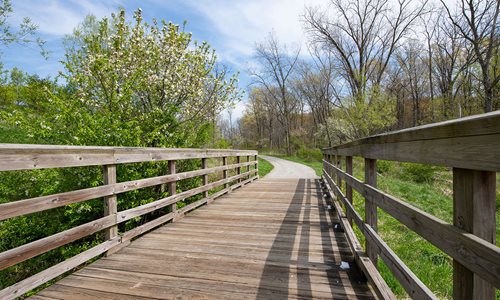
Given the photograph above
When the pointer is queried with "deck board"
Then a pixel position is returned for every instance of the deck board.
(272, 239)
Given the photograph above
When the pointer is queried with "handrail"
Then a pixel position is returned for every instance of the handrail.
(471, 146)
(31, 157)
(470, 143)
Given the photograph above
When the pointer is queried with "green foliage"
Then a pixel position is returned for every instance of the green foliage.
(384, 166)
(126, 84)
(418, 173)
(264, 167)
(310, 154)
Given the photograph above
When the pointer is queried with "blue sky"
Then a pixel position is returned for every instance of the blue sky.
(231, 27)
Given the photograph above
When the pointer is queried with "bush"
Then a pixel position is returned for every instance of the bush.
(418, 173)
(384, 166)
(310, 154)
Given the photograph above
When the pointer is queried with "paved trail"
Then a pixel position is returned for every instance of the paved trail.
(288, 169)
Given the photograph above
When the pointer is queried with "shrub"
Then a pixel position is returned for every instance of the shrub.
(384, 166)
(310, 154)
(418, 173)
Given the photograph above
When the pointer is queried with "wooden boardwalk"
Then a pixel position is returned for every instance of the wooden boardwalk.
(272, 239)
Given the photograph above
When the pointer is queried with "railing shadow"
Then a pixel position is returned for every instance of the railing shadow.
(299, 223)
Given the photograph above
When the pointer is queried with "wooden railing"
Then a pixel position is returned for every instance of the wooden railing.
(471, 147)
(30, 157)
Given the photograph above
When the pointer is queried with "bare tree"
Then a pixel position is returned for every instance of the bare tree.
(277, 64)
(476, 21)
(363, 35)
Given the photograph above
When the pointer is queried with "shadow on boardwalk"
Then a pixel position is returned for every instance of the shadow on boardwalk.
(307, 215)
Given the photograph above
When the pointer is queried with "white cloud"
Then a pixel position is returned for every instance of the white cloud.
(242, 23)
(58, 17)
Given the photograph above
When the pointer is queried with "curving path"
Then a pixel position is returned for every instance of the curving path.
(288, 169)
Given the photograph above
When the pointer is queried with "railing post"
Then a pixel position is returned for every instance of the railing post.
(204, 165)
(172, 186)
(256, 166)
(238, 160)
(110, 202)
(338, 164)
(473, 211)
(348, 188)
(224, 173)
(370, 207)
(248, 167)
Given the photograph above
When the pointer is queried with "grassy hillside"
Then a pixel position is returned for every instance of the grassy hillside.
(427, 187)
(264, 167)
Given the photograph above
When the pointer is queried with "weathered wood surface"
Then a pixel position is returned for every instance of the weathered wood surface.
(272, 239)
(410, 282)
(470, 143)
(28, 157)
(475, 253)
(27, 206)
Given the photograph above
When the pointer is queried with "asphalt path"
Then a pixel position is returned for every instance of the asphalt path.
(287, 169)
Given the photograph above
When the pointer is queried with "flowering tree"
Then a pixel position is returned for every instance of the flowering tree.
(149, 78)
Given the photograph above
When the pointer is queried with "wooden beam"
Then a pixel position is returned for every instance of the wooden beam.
(224, 173)
(27, 206)
(26, 285)
(470, 143)
(238, 160)
(204, 165)
(476, 254)
(172, 186)
(348, 188)
(28, 157)
(19, 254)
(473, 211)
(370, 207)
(110, 202)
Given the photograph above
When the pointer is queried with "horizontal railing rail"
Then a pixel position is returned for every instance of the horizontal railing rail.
(471, 147)
(32, 157)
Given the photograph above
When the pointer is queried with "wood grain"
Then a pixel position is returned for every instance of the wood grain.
(23, 207)
(470, 143)
(471, 251)
(27, 156)
(235, 248)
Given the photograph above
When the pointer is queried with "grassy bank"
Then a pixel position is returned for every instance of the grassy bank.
(430, 189)
(264, 167)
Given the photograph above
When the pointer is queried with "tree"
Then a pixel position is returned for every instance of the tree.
(26, 34)
(151, 79)
(476, 20)
(277, 65)
(363, 35)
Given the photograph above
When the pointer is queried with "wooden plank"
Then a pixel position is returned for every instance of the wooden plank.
(471, 143)
(370, 206)
(18, 289)
(26, 156)
(110, 202)
(362, 260)
(128, 214)
(204, 165)
(238, 160)
(348, 188)
(27, 251)
(224, 173)
(473, 211)
(471, 251)
(172, 186)
(23, 207)
(128, 235)
(415, 288)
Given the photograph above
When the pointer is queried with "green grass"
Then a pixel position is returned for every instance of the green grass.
(430, 191)
(264, 167)
(427, 188)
